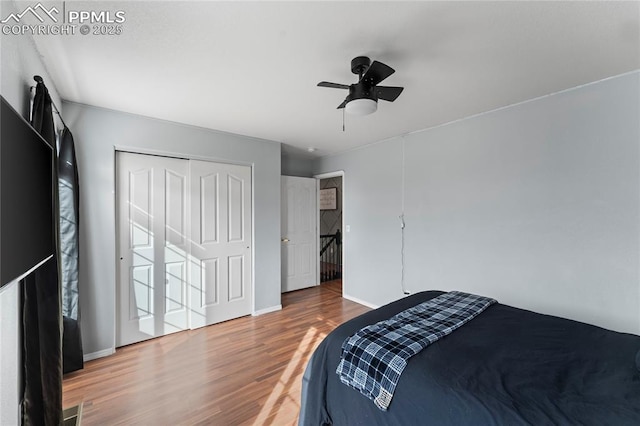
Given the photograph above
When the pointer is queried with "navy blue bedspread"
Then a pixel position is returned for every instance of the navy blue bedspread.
(506, 367)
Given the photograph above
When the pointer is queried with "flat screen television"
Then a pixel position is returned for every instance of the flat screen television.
(26, 196)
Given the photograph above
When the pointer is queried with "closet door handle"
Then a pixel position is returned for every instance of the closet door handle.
(284, 240)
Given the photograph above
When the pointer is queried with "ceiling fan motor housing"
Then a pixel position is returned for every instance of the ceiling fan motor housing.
(361, 91)
(360, 65)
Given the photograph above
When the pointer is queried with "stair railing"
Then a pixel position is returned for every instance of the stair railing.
(330, 256)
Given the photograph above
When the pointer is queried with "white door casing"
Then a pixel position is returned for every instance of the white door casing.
(299, 232)
(184, 244)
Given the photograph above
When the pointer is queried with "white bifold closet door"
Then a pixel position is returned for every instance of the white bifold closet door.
(184, 244)
(220, 242)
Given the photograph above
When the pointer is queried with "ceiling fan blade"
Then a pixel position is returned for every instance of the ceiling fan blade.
(389, 93)
(376, 73)
(342, 105)
(333, 85)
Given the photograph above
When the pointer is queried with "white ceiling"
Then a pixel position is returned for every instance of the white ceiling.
(251, 68)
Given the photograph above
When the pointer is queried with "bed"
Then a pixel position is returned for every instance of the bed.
(507, 366)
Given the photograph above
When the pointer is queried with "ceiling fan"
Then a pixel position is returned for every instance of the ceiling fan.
(363, 96)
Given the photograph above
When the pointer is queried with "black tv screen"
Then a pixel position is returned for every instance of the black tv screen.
(26, 196)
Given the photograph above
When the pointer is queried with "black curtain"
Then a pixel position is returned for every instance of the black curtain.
(68, 194)
(41, 308)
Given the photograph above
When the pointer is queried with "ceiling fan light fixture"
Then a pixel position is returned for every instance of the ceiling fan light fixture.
(361, 106)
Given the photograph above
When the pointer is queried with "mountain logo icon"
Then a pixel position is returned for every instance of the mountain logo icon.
(38, 11)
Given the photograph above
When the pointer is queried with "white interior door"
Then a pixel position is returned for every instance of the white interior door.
(298, 227)
(153, 246)
(221, 242)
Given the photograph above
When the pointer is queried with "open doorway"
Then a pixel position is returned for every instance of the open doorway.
(330, 225)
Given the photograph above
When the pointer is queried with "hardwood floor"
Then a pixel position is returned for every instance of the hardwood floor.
(335, 286)
(244, 371)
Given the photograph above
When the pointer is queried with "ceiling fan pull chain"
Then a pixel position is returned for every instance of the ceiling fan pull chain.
(343, 119)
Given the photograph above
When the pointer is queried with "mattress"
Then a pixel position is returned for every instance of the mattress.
(507, 366)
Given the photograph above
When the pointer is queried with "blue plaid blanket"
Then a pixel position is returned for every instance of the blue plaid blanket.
(374, 357)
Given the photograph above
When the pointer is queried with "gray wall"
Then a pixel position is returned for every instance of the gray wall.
(20, 62)
(96, 132)
(293, 165)
(536, 204)
(371, 239)
(10, 354)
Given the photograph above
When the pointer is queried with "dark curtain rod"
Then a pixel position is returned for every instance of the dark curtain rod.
(39, 79)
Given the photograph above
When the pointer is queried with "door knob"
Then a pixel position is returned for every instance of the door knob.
(284, 240)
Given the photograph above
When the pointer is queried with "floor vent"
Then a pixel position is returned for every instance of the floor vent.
(72, 415)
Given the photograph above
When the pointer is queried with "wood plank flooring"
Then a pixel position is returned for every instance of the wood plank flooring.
(242, 372)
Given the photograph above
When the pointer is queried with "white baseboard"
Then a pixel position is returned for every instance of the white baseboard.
(359, 301)
(267, 310)
(99, 354)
